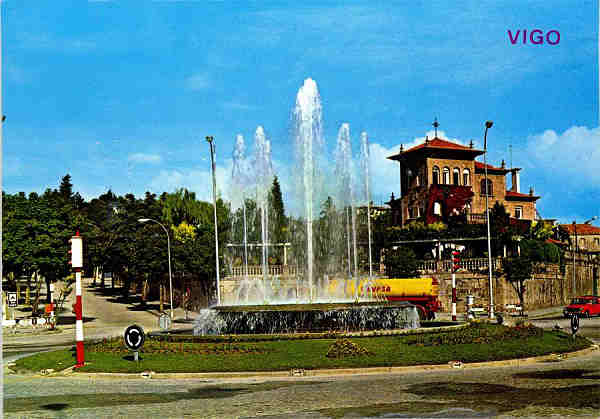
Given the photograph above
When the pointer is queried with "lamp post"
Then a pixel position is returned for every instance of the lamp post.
(145, 220)
(488, 125)
(211, 140)
(575, 248)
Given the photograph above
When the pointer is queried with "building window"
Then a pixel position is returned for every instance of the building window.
(582, 243)
(417, 183)
(466, 176)
(489, 190)
(436, 175)
(519, 212)
(596, 242)
(437, 208)
(446, 176)
(456, 176)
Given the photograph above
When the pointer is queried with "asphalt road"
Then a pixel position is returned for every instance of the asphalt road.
(567, 388)
(105, 315)
(570, 387)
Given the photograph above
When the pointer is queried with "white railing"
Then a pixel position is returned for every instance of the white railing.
(257, 270)
(470, 265)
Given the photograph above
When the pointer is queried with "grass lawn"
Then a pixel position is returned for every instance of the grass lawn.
(476, 343)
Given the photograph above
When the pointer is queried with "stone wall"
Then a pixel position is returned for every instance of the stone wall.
(528, 208)
(548, 287)
(498, 191)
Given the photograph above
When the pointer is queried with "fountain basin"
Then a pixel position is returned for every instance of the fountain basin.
(338, 317)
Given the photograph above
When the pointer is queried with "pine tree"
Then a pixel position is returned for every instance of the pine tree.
(66, 187)
(280, 222)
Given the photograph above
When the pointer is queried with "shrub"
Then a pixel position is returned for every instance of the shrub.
(400, 263)
(475, 333)
(539, 251)
(343, 348)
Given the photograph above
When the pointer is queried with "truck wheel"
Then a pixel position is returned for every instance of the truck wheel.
(422, 313)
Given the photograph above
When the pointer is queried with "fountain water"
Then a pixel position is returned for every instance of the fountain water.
(323, 235)
(309, 144)
(344, 171)
(264, 178)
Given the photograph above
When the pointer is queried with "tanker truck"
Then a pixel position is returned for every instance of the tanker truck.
(422, 292)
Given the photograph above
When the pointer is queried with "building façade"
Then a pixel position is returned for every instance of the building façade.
(440, 179)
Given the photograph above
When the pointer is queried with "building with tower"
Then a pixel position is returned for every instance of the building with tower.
(440, 179)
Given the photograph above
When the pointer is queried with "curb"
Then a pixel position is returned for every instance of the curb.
(331, 371)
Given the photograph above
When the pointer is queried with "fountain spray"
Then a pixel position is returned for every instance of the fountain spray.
(308, 140)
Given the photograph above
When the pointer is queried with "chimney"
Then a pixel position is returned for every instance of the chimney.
(516, 183)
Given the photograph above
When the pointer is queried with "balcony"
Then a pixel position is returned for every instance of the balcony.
(469, 265)
(256, 271)
(474, 218)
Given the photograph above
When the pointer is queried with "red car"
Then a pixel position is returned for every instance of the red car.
(586, 306)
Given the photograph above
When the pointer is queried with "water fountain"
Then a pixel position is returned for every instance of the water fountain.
(326, 290)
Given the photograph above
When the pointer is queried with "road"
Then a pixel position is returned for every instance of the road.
(566, 388)
(105, 315)
(569, 387)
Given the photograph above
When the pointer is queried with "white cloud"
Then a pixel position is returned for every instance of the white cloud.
(195, 180)
(572, 156)
(145, 158)
(198, 81)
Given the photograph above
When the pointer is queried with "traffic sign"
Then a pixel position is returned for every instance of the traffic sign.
(134, 337)
(12, 299)
(574, 323)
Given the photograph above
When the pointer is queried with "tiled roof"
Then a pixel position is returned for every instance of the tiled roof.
(439, 143)
(479, 165)
(512, 194)
(582, 229)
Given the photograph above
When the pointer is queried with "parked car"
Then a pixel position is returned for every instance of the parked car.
(586, 306)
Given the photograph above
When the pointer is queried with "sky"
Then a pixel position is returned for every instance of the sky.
(121, 95)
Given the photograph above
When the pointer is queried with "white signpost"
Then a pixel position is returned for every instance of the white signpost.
(12, 299)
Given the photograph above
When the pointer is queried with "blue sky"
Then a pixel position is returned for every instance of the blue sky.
(121, 94)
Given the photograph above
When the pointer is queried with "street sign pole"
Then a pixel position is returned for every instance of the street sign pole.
(455, 267)
(134, 338)
(77, 264)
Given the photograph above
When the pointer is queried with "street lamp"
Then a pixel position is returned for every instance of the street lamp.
(145, 220)
(211, 140)
(575, 248)
(488, 125)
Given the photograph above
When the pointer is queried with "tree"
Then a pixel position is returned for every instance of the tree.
(499, 218)
(540, 231)
(400, 263)
(538, 251)
(65, 189)
(518, 270)
(280, 228)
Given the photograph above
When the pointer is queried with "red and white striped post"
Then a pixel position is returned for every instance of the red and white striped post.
(455, 267)
(77, 264)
